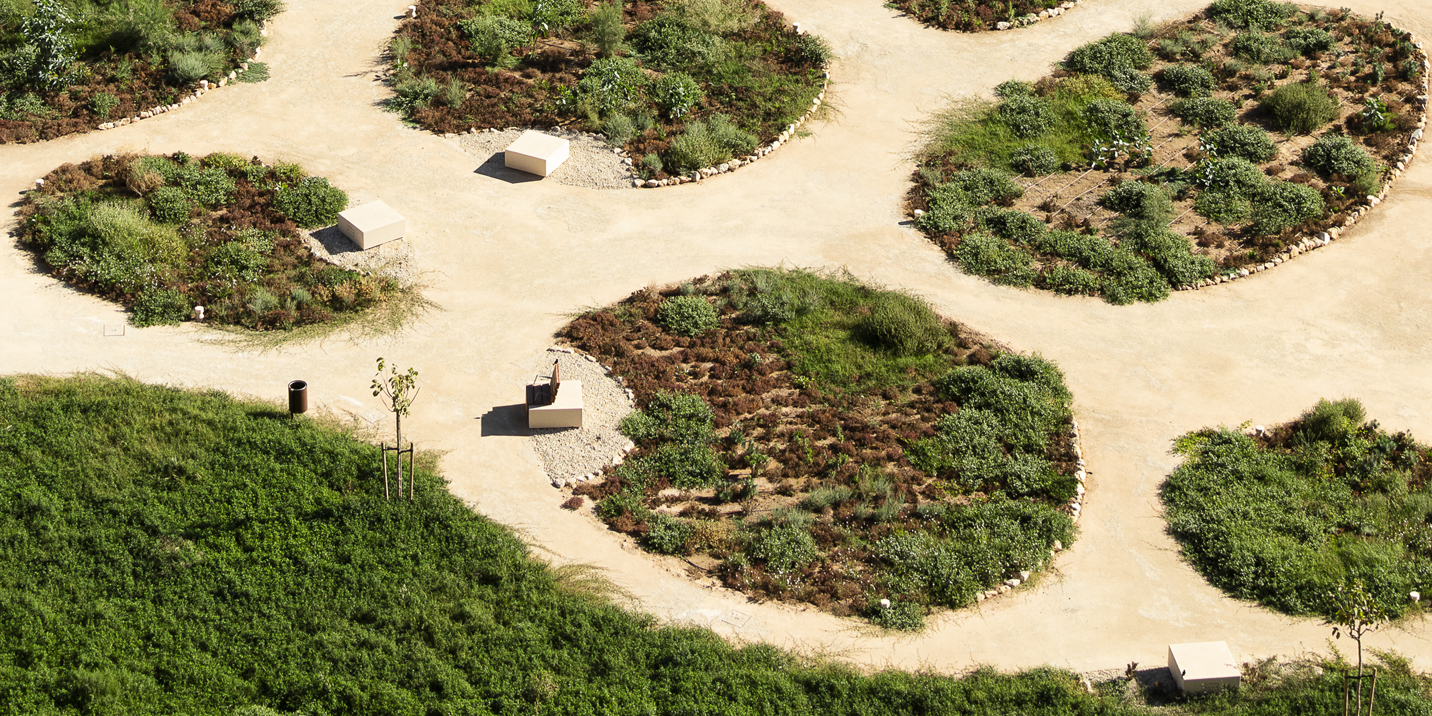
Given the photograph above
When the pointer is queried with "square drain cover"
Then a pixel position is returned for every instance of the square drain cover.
(114, 330)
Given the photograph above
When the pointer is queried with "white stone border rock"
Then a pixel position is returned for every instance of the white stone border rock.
(1075, 507)
(1032, 18)
(1331, 234)
(202, 89)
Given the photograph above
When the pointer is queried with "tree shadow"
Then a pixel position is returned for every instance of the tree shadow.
(496, 167)
(507, 420)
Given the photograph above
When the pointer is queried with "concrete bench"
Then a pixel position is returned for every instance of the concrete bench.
(1203, 667)
(556, 403)
(537, 153)
(372, 224)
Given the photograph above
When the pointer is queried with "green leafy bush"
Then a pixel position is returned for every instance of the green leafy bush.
(170, 205)
(552, 16)
(1308, 40)
(1170, 253)
(978, 187)
(1237, 176)
(901, 615)
(667, 534)
(493, 37)
(992, 257)
(1251, 14)
(784, 548)
(1106, 117)
(811, 50)
(1241, 140)
(1259, 48)
(608, 32)
(1336, 154)
(1025, 115)
(1301, 107)
(1223, 207)
(311, 203)
(160, 306)
(102, 103)
(1014, 88)
(1071, 280)
(1108, 55)
(903, 325)
(1016, 227)
(672, 417)
(257, 10)
(669, 45)
(708, 143)
(1136, 198)
(189, 67)
(612, 85)
(208, 187)
(675, 93)
(1130, 81)
(1283, 205)
(1129, 278)
(1034, 160)
(688, 315)
(1206, 112)
(1188, 80)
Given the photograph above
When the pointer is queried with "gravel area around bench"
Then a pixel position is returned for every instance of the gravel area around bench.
(572, 455)
(395, 258)
(592, 163)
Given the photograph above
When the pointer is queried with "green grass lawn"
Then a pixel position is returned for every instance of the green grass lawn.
(175, 552)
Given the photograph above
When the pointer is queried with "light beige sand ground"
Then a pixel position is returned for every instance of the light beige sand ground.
(1352, 319)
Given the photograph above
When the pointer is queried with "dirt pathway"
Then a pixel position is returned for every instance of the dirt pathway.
(1352, 319)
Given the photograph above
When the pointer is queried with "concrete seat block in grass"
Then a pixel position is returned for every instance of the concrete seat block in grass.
(537, 153)
(372, 224)
(1203, 667)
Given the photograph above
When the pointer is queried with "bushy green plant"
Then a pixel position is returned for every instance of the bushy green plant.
(1034, 160)
(1251, 14)
(311, 203)
(1170, 253)
(1106, 117)
(1308, 40)
(257, 10)
(1014, 88)
(704, 144)
(159, 306)
(666, 44)
(903, 325)
(783, 548)
(1025, 115)
(1224, 207)
(608, 32)
(1283, 205)
(102, 103)
(189, 67)
(811, 50)
(1071, 280)
(494, 37)
(414, 93)
(242, 258)
(1128, 278)
(552, 16)
(1237, 176)
(1300, 107)
(208, 187)
(1118, 58)
(667, 534)
(48, 30)
(618, 128)
(1138, 199)
(984, 255)
(1205, 112)
(688, 315)
(675, 93)
(901, 615)
(1187, 80)
(1241, 140)
(1012, 225)
(978, 187)
(612, 85)
(1336, 154)
(1259, 48)
(170, 205)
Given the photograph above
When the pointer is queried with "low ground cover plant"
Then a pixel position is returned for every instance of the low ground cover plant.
(1320, 102)
(972, 16)
(69, 65)
(163, 234)
(194, 530)
(826, 442)
(1288, 517)
(684, 84)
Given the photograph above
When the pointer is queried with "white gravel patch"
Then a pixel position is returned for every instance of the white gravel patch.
(574, 455)
(592, 162)
(396, 259)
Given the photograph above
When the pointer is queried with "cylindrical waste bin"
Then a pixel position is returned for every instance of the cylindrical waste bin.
(297, 396)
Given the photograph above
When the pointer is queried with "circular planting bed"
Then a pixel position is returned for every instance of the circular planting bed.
(1300, 516)
(807, 438)
(983, 14)
(164, 234)
(69, 65)
(679, 86)
(1209, 148)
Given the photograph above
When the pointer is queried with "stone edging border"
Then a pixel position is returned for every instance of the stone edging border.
(1075, 509)
(1332, 233)
(203, 89)
(1032, 18)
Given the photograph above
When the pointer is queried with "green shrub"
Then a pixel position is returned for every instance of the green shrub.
(688, 315)
(1206, 112)
(612, 85)
(704, 144)
(1283, 205)
(608, 32)
(1241, 140)
(903, 325)
(494, 37)
(1188, 80)
(207, 187)
(618, 128)
(311, 203)
(1170, 253)
(1139, 200)
(1222, 206)
(1332, 421)
(985, 255)
(901, 615)
(170, 205)
(977, 187)
(667, 534)
(1260, 49)
(1129, 278)
(811, 50)
(160, 306)
(1251, 14)
(1016, 227)
(413, 94)
(1129, 81)
(1034, 160)
(1014, 88)
(784, 548)
(1301, 107)
(1335, 154)
(1025, 115)
(102, 103)
(257, 10)
(1071, 280)
(668, 45)
(1308, 40)
(1237, 176)
(1106, 117)
(1112, 53)
(675, 93)
(189, 67)
(552, 16)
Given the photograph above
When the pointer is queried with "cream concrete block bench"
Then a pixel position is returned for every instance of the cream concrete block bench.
(372, 224)
(1203, 667)
(556, 403)
(537, 153)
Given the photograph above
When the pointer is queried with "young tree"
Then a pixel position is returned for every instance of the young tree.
(48, 32)
(1356, 612)
(397, 390)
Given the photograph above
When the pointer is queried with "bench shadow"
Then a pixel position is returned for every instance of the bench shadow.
(506, 420)
(334, 241)
(496, 167)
